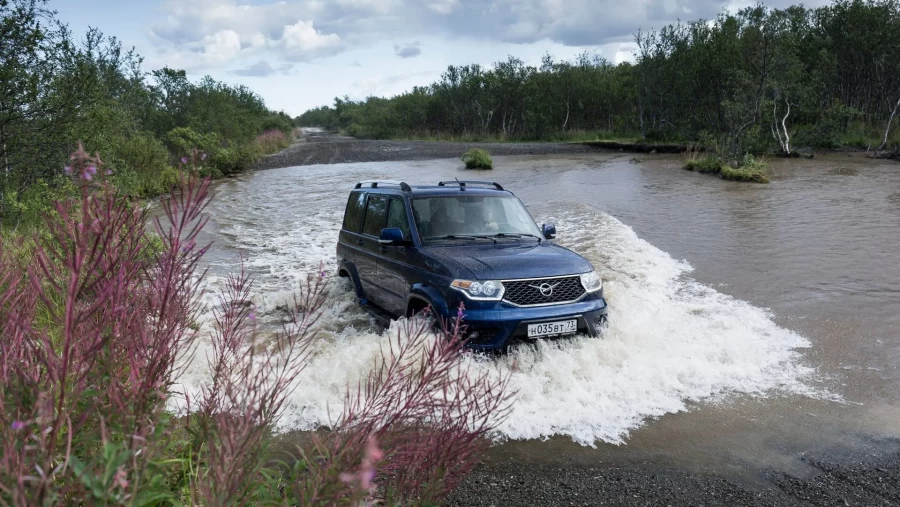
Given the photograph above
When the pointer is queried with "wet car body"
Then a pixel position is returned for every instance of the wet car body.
(512, 285)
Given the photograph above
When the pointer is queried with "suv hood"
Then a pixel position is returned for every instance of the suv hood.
(509, 261)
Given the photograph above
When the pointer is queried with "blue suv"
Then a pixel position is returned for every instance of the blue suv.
(407, 248)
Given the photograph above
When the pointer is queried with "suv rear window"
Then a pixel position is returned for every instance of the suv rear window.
(354, 213)
(376, 213)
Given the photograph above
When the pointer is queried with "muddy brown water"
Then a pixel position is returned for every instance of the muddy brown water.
(812, 257)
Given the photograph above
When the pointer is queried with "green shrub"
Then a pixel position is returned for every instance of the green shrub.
(476, 158)
(354, 130)
(137, 165)
(182, 140)
(278, 121)
(29, 207)
(210, 171)
(146, 183)
(141, 152)
(169, 177)
(233, 159)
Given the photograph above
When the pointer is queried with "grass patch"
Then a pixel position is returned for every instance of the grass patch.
(705, 165)
(476, 158)
(750, 169)
(743, 174)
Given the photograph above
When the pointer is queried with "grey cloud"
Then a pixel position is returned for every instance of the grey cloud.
(303, 30)
(259, 69)
(570, 22)
(408, 50)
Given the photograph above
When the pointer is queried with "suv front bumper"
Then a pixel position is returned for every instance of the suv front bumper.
(494, 326)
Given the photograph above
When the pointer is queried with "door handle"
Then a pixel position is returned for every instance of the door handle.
(382, 249)
(360, 242)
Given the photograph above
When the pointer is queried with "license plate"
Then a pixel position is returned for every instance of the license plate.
(552, 328)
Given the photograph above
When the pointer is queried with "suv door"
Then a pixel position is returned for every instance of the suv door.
(369, 248)
(394, 269)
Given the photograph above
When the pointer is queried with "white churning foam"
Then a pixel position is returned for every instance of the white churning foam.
(670, 340)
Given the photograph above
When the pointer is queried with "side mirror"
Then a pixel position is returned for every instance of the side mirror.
(549, 231)
(391, 236)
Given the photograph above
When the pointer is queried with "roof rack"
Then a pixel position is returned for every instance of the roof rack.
(376, 183)
(462, 184)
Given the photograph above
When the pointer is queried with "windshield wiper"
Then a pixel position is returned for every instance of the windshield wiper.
(460, 236)
(516, 235)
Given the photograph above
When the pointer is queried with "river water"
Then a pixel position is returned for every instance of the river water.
(748, 322)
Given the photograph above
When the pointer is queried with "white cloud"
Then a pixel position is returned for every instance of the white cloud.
(303, 42)
(221, 47)
(206, 34)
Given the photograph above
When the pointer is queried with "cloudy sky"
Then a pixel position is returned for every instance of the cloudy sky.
(300, 54)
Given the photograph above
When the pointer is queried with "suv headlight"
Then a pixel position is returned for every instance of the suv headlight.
(483, 290)
(591, 281)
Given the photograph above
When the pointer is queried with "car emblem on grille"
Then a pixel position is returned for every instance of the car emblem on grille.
(545, 288)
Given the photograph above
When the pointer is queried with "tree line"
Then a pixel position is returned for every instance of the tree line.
(57, 89)
(758, 80)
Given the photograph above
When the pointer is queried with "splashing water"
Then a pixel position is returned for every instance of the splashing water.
(670, 341)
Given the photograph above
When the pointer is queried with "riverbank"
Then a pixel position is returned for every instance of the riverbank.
(859, 481)
(321, 148)
(316, 147)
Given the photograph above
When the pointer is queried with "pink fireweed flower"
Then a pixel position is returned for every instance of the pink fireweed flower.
(184, 160)
(366, 474)
(203, 156)
(90, 170)
(108, 172)
(18, 425)
(252, 316)
(67, 170)
(87, 176)
(121, 478)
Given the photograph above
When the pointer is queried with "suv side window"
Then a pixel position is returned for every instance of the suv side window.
(376, 210)
(354, 213)
(397, 217)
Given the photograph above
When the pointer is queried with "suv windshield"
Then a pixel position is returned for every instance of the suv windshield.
(464, 217)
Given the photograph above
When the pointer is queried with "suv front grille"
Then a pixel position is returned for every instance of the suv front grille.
(528, 292)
